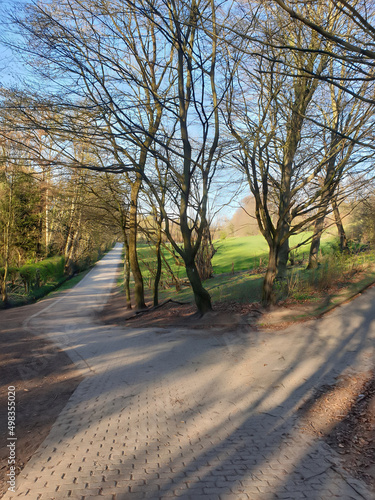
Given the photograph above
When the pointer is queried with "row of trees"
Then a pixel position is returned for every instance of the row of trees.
(43, 214)
(178, 96)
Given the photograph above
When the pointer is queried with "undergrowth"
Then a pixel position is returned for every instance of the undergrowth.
(35, 280)
(335, 269)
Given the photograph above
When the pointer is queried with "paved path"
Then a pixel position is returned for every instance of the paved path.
(189, 414)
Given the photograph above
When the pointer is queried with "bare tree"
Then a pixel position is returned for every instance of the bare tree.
(123, 69)
(192, 125)
(347, 122)
(107, 71)
(112, 193)
(351, 39)
(267, 115)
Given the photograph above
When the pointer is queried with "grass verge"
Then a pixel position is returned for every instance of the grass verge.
(306, 293)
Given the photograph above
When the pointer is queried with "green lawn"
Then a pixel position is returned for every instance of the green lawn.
(240, 287)
(246, 254)
(249, 257)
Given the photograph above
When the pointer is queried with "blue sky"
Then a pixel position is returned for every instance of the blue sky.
(11, 65)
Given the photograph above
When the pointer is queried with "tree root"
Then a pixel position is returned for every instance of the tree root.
(143, 311)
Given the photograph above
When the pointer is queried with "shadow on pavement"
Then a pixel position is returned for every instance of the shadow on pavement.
(192, 415)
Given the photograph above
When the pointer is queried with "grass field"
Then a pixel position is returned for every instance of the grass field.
(248, 257)
(249, 252)
(244, 254)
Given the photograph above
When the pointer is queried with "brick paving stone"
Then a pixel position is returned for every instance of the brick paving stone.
(204, 497)
(187, 414)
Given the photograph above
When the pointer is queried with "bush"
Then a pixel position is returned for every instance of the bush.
(37, 274)
(333, 268)
(89, 259)
(12, 272)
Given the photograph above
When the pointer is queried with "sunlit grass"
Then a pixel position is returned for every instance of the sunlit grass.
(238, 254)
(247, 256)
(240, 287)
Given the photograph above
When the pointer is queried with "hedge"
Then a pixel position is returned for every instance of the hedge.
(36, 275)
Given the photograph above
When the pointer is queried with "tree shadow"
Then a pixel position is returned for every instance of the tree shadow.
(191, 414)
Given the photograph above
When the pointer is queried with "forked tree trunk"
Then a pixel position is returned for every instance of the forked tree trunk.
(283, 225)
(68, 244)
(70, 258)
(71, 231)
(282, 260)
(134, 264)
(326, 197)
(203, 259)
(315, 242)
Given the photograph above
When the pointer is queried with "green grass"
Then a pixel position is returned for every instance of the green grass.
(240, 287)
(52, 279)
(69, 283)
(245, 285)
(249, 252)
(53, 287)
(245, 255)
(242, 254)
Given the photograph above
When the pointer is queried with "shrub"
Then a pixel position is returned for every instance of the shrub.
(333, 268)
(12, 272)
(37, 274)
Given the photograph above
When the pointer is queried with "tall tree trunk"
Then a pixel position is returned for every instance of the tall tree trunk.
(158, 269)
(47, 222)
(268, 292)
(282, 260)
(39, 241)
(169, 269)
(303, 92)
(315, 242)
(70, 235)
(203, 259)
(133, 257)
(127, 271)
(68, 243)
(340, 227)
(4, 292)
(201, 296)
(319, 226)
(70, 259)
(283, 226)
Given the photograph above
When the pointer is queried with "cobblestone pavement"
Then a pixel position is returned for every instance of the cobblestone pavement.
(191, 414)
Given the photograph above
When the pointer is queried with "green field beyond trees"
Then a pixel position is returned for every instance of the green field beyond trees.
(244, 254)
(239, 266)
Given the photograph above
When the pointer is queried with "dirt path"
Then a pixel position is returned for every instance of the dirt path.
(44, 378)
